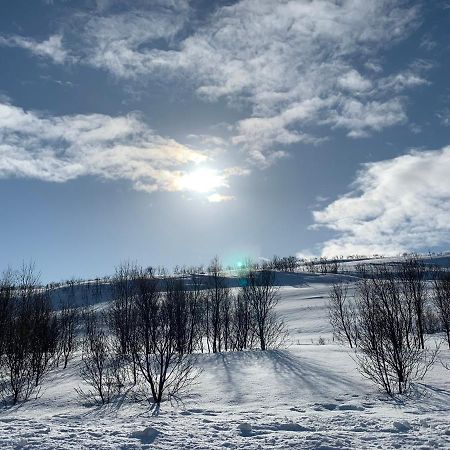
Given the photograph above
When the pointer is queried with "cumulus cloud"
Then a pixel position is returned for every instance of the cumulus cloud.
(397, 205)
(51, 48)
(62, 148)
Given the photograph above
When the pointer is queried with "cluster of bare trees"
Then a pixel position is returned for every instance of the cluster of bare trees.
(284, 263)
(386, 318)
(323, 265)
(33, 338)
(156, 325)
(147, 336)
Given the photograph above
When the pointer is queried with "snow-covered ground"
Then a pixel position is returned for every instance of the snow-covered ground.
(308, 396)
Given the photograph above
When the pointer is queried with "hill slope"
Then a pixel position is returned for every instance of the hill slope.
(307, 396)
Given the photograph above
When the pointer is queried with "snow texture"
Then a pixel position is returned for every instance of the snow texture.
(307, 396)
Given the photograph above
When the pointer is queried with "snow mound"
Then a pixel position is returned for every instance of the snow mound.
(350, 407)
(402, 426)
(245, 429)
(289, 426)
(147, 435)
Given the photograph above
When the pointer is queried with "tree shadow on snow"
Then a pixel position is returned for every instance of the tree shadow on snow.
(298, 371)
(298, 375)
(102, 410)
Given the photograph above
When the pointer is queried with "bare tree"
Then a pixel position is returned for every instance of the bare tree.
(6, 296)
(100, 368)
(17, 381)
(243, 325)
(261, 293)
(68, 319)
(386, 352)
(177, 305)
(413, 280)
(97, 290)
(217, 294)
(196, 306)
(122, 313)
(342, 314)
(442, 301)
(225, 319)
(44, 336)
(164, 368)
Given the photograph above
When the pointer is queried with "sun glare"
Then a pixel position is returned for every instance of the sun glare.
(202, 180)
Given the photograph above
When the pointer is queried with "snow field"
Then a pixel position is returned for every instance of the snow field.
(307, 396)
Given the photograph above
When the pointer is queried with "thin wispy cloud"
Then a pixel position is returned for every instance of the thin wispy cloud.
(124, 43)
(62, 148)
(291, 65)
(396, 205)
(444, 117)
(51, 48)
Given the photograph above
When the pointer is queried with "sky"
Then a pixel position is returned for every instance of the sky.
(169, 131)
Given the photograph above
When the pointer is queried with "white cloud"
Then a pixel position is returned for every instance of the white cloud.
(62, 148)
(259, 134)
(123, 43)
(289, 64)
(52, 48)
(353, 81)
(401, 81)
(401, 204)
(362, 117)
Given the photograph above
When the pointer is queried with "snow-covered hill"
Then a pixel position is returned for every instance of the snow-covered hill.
(307, 396)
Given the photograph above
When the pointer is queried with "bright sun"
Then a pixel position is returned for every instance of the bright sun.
(202, 180)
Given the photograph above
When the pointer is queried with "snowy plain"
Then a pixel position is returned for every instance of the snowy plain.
(308, 395)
